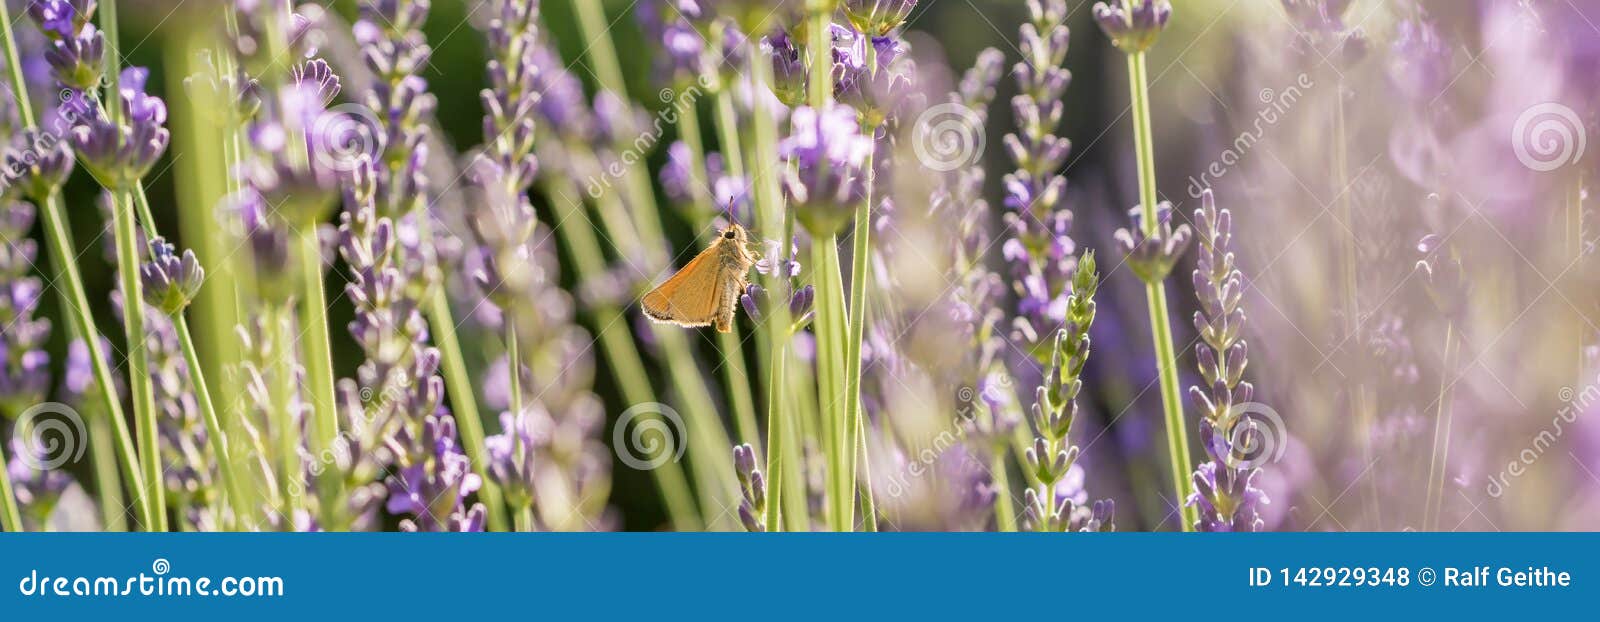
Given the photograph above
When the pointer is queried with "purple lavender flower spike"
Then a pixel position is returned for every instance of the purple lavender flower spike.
(752, 487)
(874, 89)
(24, 363)
(170, 280)
(302, 148)
(37, 490)
(788, 68)
(1054, 506)
(1227, 497)
(269, 242)
(60, 19)
(1232, 437)
(77, 57)
(829, 153)
(1133, 25)
(1040, 248)
(434, 485)
(37, 163)
(120, 154)
(1151, 257)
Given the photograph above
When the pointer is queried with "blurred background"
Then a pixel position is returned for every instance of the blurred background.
(1410, 183)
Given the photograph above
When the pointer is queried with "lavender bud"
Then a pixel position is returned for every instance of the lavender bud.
(1133, 25)
(170, 281)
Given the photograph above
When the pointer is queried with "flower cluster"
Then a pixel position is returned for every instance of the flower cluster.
(24, 363)
(1054, 504)
(1225, 489)
(1039, 249)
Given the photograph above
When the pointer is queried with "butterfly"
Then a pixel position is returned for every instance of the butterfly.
(705, 292)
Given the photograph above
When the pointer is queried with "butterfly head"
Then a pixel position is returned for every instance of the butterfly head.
(734, 233)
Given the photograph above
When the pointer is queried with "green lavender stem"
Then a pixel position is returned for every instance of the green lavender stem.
(140, 388)
(859, 276)
(463, 400)
(10, 518)
(318, 359)
(219, 445)
(831, 332)
(1160, 331)
(70, 287)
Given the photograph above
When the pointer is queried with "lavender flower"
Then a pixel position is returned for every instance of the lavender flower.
(828, 153)
(1227, 497)
(170, 282)
(37, 490)
(433, 485)
(870, 81)
(24, 363)
(37, 163)
(682, 49)
(1040, 249)
(1133, 25)
(788, 67)
(299, 146)
(1224, 490)
(1049, 507)
(119, 154)
(77, 49)
(1151, 257)
(752, 487)
(268, 241)
(394, 48)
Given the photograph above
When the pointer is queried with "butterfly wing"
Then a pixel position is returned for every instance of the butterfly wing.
(692, 297)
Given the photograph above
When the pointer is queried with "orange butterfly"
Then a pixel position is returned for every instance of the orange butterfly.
(705, 292)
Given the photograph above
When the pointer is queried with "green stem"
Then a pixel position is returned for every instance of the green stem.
(463, 401)
(1160, 330)
(831, 332)
(869, 505)
(1005, 515)
(1438, 461)
(860, 275)
(202, 182)
(243, 517)
(139, 382)
(70, 287)
(103, 461)
(318, 358)
(10, 517)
